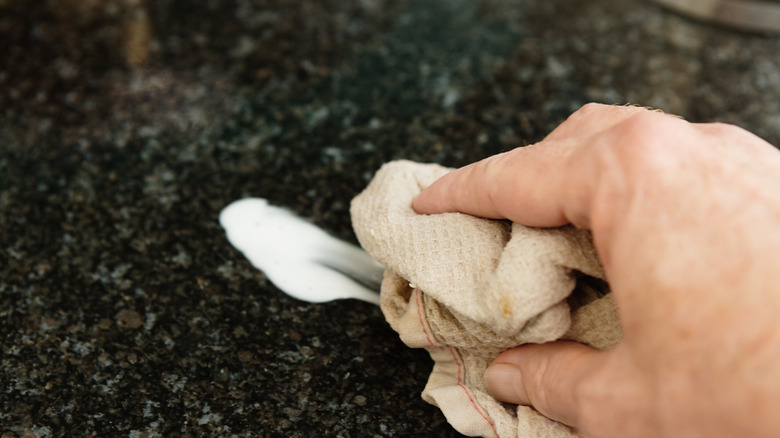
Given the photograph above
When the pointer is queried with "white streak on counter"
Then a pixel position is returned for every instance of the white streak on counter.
(302, 260)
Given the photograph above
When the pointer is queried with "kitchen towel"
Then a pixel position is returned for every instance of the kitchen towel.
(466, 288)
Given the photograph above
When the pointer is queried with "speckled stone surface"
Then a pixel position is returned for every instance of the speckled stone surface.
(125, 126)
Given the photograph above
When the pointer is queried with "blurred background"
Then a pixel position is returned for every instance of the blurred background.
(127, 125)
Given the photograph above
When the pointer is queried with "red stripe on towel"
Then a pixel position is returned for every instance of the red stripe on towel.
(457, 362)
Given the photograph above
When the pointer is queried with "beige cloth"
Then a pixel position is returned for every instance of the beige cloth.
(466, 288)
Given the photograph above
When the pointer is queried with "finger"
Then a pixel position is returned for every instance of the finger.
(551, 183)
(549, 377)
(482, 188)
(517, 185)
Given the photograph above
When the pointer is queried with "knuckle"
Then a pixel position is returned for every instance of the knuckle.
(493, 169)
(723, 126)
(723, 129)
(593, 110)
(591, 107)
(640, 128)
(588, 110)
(641, 139)
(540, 382)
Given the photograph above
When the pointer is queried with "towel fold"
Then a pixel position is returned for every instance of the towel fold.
(467, 288)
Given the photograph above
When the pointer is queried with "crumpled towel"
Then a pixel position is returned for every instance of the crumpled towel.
(466, 288)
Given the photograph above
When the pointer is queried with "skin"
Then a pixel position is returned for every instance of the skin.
(685, 221)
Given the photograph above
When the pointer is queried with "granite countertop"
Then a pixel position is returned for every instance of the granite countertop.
(127, 125)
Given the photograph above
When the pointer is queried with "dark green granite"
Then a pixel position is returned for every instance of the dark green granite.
(125, 126)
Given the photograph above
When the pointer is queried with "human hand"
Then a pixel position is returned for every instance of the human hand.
(685, 220)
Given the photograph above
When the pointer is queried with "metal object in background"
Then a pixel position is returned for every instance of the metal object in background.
(752, 15)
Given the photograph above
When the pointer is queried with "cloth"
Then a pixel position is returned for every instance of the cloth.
(466, 288)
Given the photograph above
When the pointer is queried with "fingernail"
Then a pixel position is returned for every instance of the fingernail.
(504, 382)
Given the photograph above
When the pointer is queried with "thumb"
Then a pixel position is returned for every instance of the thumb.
(548, 377)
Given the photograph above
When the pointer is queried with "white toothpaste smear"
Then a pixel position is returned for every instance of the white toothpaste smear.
(299, 258)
